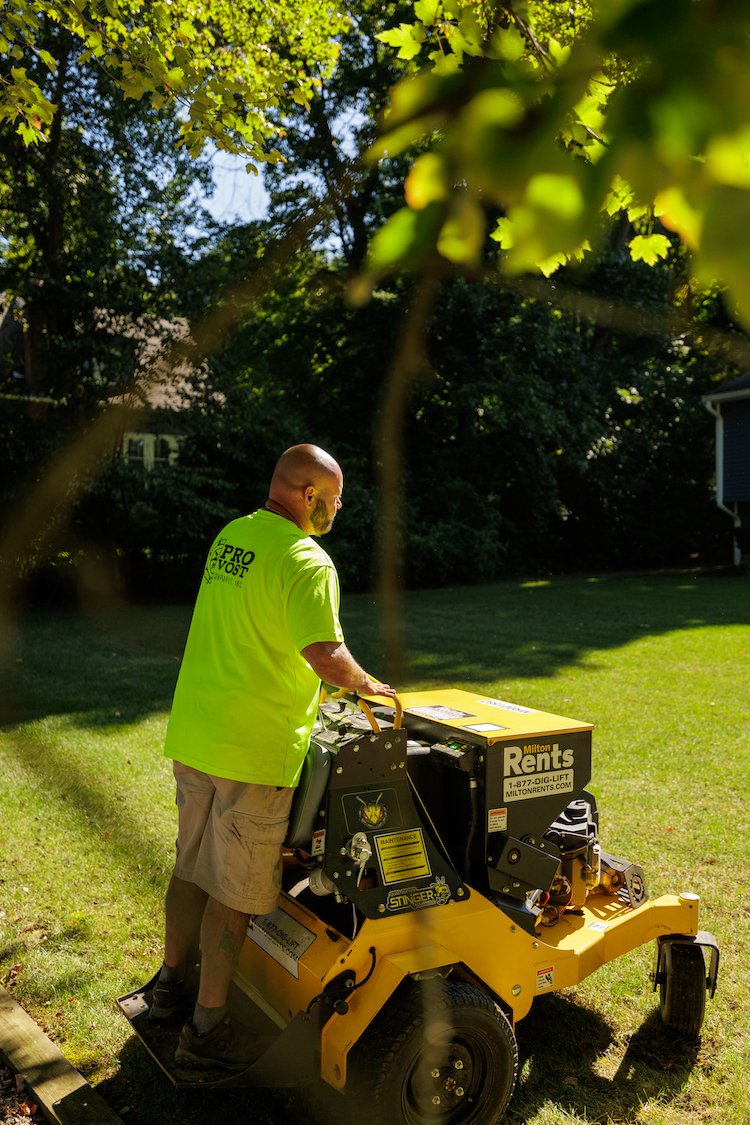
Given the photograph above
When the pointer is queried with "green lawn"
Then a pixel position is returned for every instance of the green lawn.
(658, 662)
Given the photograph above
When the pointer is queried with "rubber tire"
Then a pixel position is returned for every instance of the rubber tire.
(428, 1026)
(682, 993)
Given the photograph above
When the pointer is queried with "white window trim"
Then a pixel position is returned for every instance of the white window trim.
(149, 447)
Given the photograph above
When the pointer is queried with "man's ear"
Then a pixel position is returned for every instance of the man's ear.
(309, 495)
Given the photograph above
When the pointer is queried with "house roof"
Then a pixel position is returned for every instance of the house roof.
(735, 389)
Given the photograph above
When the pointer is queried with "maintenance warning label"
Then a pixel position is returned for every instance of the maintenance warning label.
(402, 856)
(538, 785)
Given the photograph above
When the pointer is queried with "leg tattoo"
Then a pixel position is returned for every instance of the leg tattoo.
(228, 945)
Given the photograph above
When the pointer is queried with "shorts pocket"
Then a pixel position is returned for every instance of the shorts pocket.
(252, 860)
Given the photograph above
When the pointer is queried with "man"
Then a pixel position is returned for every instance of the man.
(265, 632)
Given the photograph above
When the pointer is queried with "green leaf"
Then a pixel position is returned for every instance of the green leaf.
(445, 65)
(723, 249)
(131, 90)
(648, 248)
(48, 61)
(508, 43)
(495, 107)
(728, 159)
(619, 197)
(426, 182)
(426, 11)
(677, 214)
(556, 193)
(471, 30)
(462, 234)
(405, 233)
(552, 264)
(407, 37)
(504, 234)
(559, 53)
(27, 133)
(460, 44)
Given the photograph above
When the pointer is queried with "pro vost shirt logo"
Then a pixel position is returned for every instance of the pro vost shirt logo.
(227, 563)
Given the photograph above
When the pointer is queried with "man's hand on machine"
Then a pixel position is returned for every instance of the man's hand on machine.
(332, 661)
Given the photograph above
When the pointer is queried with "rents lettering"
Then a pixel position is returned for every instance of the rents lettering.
(536, 759)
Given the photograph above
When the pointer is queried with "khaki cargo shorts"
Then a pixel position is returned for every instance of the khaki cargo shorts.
(229, 838)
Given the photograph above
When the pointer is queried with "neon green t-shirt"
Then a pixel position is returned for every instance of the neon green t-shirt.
(246, 698)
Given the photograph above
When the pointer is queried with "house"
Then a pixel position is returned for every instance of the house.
(730, 406)
(157, 439)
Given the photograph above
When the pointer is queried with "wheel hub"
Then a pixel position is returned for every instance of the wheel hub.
(440, 1080)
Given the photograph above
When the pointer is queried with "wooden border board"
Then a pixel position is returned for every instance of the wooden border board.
(64, 1097)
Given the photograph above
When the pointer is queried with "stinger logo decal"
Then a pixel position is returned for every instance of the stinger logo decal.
(372, 809)
(373, 814)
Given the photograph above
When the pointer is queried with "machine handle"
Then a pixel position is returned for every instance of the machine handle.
(399, 709)
(396, 702)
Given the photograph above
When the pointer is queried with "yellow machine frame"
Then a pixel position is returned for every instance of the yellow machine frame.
(471, 937)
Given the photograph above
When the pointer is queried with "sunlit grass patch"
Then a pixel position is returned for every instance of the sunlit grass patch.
(658, 663)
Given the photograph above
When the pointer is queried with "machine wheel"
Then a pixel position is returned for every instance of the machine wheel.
(682, 992)
(439, 1053)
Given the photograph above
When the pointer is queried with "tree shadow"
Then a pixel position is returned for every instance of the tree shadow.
(120, 666)
(105, 668)
(559, 1043)
(93, 801)
(141, 1084)
(534, 629)
(560, 1067)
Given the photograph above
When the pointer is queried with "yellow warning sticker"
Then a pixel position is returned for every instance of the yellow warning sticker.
(402, 855)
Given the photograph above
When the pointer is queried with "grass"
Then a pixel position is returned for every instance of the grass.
(658, 662)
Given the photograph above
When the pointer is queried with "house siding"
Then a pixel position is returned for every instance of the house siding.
(736, 450)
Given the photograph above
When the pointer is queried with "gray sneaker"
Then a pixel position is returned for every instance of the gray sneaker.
(229, 1045)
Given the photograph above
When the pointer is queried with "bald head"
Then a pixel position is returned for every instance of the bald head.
(307, 483)
(301, 466)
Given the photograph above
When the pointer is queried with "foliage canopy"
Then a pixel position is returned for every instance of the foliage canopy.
(226, 65)
(552, 114)
(544, 114)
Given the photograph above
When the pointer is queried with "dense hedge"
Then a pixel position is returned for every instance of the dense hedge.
(541, 443)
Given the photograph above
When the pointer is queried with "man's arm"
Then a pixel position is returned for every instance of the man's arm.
(332, 661)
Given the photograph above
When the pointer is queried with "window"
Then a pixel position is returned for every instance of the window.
(149, 450)
(136, 450)
(163, 450)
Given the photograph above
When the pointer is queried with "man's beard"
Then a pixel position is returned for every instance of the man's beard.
(320, 519)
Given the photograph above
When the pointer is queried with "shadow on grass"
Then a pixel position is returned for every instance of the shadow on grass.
(531, 630)
(113, 668)
(95, 806)
(142, 1085)
(559, 1043)
(127, 661)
